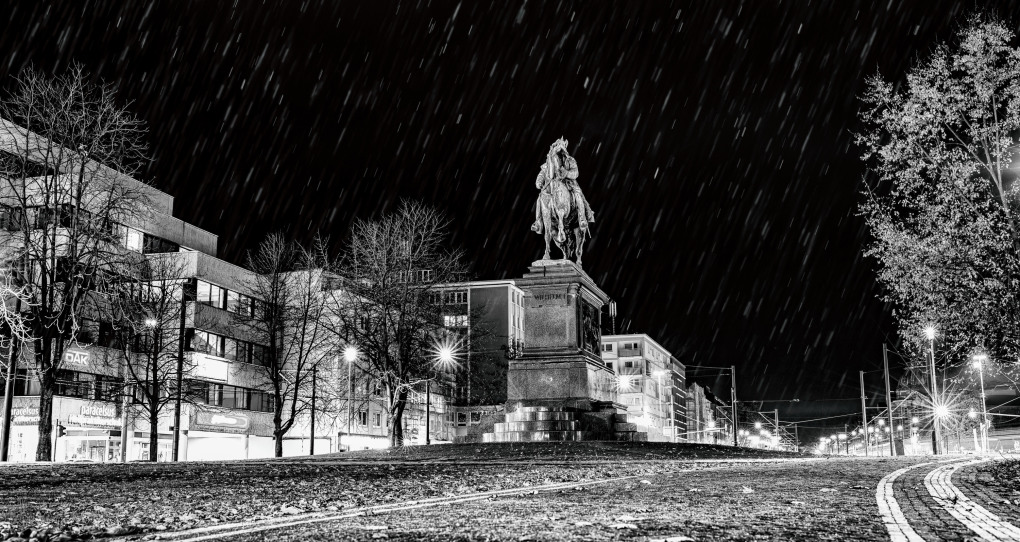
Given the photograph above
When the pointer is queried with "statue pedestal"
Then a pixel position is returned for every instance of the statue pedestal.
(560, 389)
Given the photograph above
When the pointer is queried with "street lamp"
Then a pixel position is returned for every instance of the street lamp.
(350, 356)
(444, 359)
(936, 433)
(979, 363)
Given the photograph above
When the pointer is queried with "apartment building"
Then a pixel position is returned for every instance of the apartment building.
(225, 413)
(650, 384)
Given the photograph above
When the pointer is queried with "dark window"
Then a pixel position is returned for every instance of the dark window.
(88, 386)
(26, 382)
(111, 336)
(363, 418)
(156, 245)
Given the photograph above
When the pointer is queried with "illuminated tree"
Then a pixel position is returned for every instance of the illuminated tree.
(941, 198)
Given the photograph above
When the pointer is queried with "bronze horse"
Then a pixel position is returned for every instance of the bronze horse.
(559, 221)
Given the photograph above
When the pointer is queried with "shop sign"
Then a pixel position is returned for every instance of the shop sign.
(217, 419)
(75, 357)
(25, 415)
(96, 415)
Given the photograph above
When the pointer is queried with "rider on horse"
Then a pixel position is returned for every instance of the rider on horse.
(560, 166)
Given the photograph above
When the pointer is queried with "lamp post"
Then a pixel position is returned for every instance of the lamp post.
(979, 363)
(444, 359)
(315, 381)
(350, 356)
(936, 433)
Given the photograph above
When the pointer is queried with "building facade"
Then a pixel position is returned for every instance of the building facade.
(651, 385)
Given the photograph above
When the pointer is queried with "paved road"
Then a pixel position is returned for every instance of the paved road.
(833, 499)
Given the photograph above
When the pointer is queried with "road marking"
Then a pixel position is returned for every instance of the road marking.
(892, 516)
(233, 529)
(985, 524)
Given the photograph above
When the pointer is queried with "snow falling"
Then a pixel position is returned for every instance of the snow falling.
(714, 142)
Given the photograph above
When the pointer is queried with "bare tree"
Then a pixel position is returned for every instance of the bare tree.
(151, 361)
(290, 324)
(387, 301)
(65, 190)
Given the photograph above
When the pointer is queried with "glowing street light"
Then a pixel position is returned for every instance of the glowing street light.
(979, 363)
(350, 356)
(941, 411)
(930, 333)
(444, 358)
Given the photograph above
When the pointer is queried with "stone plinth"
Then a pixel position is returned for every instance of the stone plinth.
(560, 376)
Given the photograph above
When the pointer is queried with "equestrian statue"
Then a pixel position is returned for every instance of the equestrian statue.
(562, 214)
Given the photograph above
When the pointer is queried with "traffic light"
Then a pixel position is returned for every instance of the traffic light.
(61, 431)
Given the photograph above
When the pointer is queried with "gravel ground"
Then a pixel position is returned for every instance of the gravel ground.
(999, 488)
(75, 501)
(804, 501)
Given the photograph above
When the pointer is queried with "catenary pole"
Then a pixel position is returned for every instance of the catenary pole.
(350, 405)
(936, 433)
(428, 411)
(888, 400)
(733, 400)
(864, 418)
(315, 381)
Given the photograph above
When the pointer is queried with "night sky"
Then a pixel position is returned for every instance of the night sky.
(714, 142)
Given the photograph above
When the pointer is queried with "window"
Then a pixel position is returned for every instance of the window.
(376, 420)
(229, 396)
(210, 294)
(607, 347)
(260, 401)
(628, 364)
(234, 397)
(630, 346)
(462, 419)
(208, 343)
(635, 401)
(363, 418)
(609, 365)
(234, 350)
(156, 245)
(111, 336)
(239, 304)
(455, 298)
(476, 418)
(460, 320)
(129, 238)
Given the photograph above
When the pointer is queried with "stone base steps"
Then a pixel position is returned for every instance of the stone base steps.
(551, 424)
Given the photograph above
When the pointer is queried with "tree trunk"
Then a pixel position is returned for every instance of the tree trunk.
(396, 417)
(153, 433)
(44, 450)
(277, 432)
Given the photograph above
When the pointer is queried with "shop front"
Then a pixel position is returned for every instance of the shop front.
(91, 430)
(216, 434)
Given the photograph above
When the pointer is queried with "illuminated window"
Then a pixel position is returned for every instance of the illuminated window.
(459, 320)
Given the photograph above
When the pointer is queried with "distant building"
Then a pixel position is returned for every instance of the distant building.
(708, 421)
(650, 384)
(484, 320)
